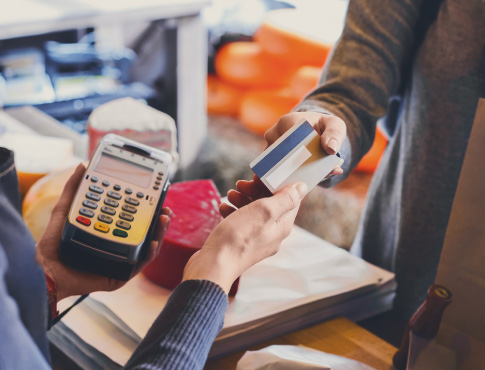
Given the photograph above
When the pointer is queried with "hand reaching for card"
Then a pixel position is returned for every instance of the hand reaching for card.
(297, 150)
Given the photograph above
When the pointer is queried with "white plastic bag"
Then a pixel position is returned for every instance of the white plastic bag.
(285, 357)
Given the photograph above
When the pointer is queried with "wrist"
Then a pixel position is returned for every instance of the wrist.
(52, 296)
(216, 267)
(60, 291)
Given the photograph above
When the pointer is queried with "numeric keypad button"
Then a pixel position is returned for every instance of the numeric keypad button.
(132, 201)
(126, 216)
(90, 204)
(123, 225)
(114, 195)
(111, 202)
(86, 212)
(105, 218)
(108, 210)
(96, 189)
(128, 208)
(93, 196)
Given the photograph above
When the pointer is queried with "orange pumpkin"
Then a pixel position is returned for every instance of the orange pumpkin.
(222, 98)
(261, 109)
(371, 160)
(305, 80)
(244, 64)
(284, 34)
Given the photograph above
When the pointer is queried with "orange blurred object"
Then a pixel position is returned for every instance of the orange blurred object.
(244, 64)
(261, 109)
(41, 198)
(280, 35)
(222, 98)
(305, 80)
(26, 180)
(371, 160)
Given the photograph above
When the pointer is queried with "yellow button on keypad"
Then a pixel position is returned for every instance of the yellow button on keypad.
(101, 227)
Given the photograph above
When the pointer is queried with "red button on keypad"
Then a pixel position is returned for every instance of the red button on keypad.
(83, 220)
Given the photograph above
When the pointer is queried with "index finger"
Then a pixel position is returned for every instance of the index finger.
(254, 189)
(284, 124)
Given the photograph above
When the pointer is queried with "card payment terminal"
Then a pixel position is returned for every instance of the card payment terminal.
(115, 211)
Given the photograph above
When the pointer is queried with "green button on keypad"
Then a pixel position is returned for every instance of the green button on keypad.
(120, 233)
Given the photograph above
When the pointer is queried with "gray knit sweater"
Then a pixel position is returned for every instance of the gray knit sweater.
(410, 198)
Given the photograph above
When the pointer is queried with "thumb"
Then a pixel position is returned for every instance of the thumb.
(333, 131)
(65, 200)
(286, 199)
(163, 223)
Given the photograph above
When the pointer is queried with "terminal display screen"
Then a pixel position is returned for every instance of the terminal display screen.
(124, 170)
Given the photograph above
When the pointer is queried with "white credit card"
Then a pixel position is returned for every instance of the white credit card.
(297, 156)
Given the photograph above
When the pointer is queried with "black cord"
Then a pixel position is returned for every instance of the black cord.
(61, 315)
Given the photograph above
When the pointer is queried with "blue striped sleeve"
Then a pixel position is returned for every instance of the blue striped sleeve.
(182, 335)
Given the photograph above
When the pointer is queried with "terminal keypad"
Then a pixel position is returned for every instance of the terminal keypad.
(108, 213)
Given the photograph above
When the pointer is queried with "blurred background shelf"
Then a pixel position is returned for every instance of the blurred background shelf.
(177, 86)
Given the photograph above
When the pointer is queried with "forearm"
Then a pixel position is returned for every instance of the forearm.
(364, 70)
(182, 335)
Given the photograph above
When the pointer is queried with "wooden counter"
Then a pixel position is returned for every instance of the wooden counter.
(338, 336)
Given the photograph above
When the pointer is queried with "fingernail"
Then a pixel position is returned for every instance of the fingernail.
(166, 220)
(302, 189)
(332, 145)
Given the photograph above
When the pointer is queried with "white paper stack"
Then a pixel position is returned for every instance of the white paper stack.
(308, 281)
(34, 153)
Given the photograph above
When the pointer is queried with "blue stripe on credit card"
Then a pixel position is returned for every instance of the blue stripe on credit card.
(286, 146)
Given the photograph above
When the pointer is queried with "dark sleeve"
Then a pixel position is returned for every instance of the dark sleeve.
(364, 71)
(23, 307)
(181, 337)
(18, 349)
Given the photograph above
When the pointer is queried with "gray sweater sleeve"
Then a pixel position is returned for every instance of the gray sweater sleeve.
(364, 71)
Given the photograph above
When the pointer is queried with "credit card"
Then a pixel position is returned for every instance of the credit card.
(297, 156)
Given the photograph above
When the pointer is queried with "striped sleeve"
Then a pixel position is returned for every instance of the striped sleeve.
(182, 335)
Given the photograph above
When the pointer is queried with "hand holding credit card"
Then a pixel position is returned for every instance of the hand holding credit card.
(297, 156)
